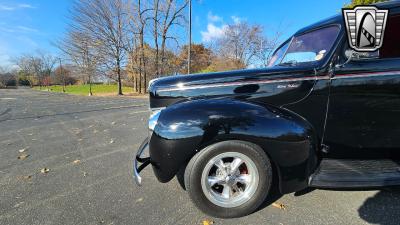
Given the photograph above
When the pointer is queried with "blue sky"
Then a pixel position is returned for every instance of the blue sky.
(30, 25)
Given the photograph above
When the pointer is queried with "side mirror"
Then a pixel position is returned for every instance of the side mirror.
(350, 55)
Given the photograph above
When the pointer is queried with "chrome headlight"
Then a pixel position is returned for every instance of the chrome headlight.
(153, 119)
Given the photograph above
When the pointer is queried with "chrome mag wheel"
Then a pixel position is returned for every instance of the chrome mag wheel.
(230, 179)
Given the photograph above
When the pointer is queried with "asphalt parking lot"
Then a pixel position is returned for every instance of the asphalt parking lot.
(87, 143)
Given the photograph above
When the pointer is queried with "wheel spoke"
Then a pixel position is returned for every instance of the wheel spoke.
(244, 179)
(227, 191)
(235, 164)
(220, 164)
(214, 180)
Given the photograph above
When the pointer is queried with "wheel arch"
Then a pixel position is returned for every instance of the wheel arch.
(286, 138)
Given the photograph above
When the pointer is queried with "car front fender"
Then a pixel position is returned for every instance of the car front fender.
(185, 128)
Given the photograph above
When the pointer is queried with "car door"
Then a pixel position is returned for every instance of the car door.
(363, 118)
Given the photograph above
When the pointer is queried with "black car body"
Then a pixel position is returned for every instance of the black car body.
(328, 123)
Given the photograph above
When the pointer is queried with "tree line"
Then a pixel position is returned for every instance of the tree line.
(130, 42)
(133, 42)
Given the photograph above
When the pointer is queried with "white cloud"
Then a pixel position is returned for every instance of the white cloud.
(18, 29)
(213, 32)
(27, 29)
(7, 30)
(6, 8)
(26, 6)
(15, 7)
(213, 18)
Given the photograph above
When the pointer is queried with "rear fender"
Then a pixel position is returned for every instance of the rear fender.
(185, 128)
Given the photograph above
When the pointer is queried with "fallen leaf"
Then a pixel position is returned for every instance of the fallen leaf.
(23, 150)
(279, 205)
(18, 204)
(77, 161)
(45, 170)
(208, 222)
(139, 200)
(28, 177)
(113, 123)
(23, 156)
(112, 141)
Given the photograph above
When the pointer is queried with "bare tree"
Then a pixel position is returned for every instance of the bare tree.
(46, 62)
(7, 77)
(268, 45)
(105, 23)
(247, 44)
(156, 21)
(131, 34)
(36, 64)
(172, 15)
(149, 56)
(141, 26)
(241, 42)
(25, 68)
(79, 49)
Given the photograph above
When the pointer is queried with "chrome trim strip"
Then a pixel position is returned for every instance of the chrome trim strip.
(237, 83)
(266, 81)
(358, 75)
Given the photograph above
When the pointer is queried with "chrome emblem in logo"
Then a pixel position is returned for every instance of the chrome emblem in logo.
(365, 27)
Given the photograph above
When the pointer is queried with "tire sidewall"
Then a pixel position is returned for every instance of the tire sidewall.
(256, 154)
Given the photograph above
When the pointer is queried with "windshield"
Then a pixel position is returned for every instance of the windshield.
(309, 47)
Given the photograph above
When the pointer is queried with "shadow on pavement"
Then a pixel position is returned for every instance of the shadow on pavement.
(382, 208)
(274, 194)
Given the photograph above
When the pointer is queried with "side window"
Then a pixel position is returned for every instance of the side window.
(391, 41)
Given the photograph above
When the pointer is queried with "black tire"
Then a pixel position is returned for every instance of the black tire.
(194, 169)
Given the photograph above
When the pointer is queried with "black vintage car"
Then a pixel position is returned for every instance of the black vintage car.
(321, 115)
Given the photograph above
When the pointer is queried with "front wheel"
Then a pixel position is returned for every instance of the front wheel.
(229, 179)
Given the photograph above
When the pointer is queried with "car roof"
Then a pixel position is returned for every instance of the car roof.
(338, 18)
(388, 5)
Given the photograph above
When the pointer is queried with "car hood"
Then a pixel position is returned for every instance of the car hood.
(238, 84)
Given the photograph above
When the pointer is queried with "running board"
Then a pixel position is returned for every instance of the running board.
(345, 173)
